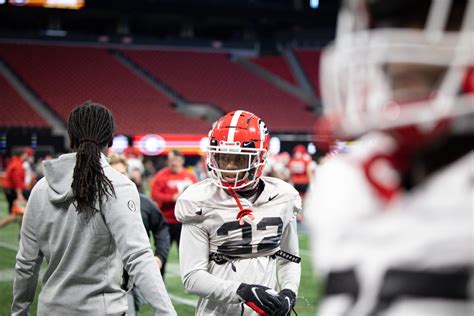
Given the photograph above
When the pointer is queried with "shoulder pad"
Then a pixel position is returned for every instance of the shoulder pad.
(188, 207)
(282, 192)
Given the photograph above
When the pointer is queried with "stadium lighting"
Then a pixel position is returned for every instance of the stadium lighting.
(275, 145)
(314, 4)
(119, 144)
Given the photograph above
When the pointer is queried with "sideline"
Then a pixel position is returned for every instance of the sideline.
(8, 246)
(181, 300)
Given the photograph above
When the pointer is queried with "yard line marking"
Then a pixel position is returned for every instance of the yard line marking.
(182, 300)
(8, 246)
(7, 275)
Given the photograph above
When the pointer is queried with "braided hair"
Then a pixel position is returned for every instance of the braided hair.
(90, 128)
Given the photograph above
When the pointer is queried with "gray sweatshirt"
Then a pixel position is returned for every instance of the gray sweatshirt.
(85, 258)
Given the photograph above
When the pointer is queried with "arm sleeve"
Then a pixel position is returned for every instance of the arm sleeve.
(160, 231)
(194, 260)
(289, 272)
(122, 216)
(157, 192)
(28, 263)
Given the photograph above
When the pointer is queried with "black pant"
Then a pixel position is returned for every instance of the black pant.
(175, 234)
(11, 196)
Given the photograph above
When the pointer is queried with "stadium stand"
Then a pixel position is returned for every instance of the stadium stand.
(208, 77)
(15, 111)
(277, 65)
(66, 76)
(309, 60)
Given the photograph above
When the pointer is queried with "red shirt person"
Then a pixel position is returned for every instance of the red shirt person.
(299, 166)
(15, 175)
(14, 184)
(167, 185)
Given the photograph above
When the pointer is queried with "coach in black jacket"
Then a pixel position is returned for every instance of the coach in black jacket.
(155, 224)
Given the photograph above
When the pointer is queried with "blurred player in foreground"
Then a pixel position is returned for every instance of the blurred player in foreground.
(84, 218)
(238, 227)
(392, 221)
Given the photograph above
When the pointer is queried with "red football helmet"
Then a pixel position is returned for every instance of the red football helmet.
(237, 151)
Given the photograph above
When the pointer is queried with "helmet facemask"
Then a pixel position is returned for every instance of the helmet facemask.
(234, 166)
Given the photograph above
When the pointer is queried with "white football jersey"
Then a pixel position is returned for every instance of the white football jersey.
(208, 215)
(429, 228)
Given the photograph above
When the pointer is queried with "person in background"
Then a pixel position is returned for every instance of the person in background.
(277, 166)
(15, 185)
(200, 168)
(154, 223)
(167, 186)
(150, 171)
(82, 217)
(300, 171)
(30, 174)
(136, 169)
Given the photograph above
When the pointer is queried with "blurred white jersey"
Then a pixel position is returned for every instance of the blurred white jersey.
(210, 226)
(370, 249)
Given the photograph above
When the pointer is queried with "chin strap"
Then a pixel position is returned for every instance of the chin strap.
(243, 211)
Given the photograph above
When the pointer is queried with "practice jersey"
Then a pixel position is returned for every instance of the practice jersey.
(208, 214)
(166, 184)
(426, 233)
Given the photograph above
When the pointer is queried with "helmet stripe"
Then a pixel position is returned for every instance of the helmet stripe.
(233, 126)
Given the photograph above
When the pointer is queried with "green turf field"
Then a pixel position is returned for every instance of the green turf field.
(184, 303)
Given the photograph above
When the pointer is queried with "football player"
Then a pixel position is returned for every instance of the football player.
(239, 243)
(391, 220)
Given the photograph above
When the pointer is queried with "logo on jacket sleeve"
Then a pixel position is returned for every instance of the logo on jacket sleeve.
(131, 205)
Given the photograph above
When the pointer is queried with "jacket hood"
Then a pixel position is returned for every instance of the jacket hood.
(58, 173)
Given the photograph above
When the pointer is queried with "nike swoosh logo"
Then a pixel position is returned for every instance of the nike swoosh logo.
(272, 197)
(256, 295)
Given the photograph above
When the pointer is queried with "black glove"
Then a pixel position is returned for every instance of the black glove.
(260, 298)
(288, 300)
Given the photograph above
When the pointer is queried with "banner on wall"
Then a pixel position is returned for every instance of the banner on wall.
(56, 4)
(154, 144)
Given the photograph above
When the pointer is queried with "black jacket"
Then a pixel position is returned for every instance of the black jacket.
(155, 223)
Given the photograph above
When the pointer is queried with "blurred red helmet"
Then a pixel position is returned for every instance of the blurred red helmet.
(400, 63)
(132, 152)
(29, 151)
(299, 149)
